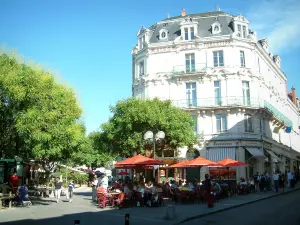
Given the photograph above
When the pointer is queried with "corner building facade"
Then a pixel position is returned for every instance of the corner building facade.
(212, 65)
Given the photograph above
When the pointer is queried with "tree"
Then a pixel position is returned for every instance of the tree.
(133, 117)
(94, 152)
(40, 117)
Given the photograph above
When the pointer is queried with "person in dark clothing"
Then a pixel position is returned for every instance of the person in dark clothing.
(208, 195)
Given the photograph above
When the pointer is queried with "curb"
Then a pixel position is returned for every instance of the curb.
(235, 206)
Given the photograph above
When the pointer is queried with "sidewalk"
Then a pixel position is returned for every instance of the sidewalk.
(186, 212)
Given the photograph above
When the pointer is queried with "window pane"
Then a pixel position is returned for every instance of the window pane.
(244, 32)
(221, 60)
(242, 58)
(217, 83)
(218, 123)
(224, 123)
(216, 60)
(186, 33)
(192, 33)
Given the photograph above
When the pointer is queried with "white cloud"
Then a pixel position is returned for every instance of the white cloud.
(277, 20)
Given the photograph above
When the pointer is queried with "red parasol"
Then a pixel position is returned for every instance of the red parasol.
(138, 160)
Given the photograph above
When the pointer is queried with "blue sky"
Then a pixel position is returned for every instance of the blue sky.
(88, 43)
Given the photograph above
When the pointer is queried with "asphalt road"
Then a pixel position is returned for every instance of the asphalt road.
(281, 210)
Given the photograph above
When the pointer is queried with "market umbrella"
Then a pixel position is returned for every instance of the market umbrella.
(181, 164)
(199, 162)
(138, 160)
(228, 162)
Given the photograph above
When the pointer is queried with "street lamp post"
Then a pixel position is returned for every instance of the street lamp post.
(150, 135)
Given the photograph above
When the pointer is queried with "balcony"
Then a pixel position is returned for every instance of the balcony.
(191, 69)
(270, 108)
(218, 102)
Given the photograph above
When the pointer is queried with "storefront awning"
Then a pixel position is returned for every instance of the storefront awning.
(274, 156)
(256, 153)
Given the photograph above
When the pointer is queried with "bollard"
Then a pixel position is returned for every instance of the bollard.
(76, 222)
(126, 219)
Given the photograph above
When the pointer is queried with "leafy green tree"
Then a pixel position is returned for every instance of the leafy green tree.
(40, 117)
(94, 152)
(133, 117)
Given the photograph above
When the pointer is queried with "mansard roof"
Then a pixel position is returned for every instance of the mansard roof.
(204, 24)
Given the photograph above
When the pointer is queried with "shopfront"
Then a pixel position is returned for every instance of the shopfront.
(254, 157)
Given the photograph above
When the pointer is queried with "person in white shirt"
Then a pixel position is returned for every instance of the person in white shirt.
(94, 188)
(276, 180)
(290, 178)
(105, 181)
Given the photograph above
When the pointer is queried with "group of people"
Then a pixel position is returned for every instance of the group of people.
(263, 182)
(58, 189)
(99, 182)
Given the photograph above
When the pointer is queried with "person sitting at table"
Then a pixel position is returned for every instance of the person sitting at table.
(135, 186)
(191, 186)
(243, 181)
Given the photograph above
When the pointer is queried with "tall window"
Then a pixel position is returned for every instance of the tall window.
(191, 94)
(258, 62)
(190, 63)
(186, 34)
(217, 87)
(221, 121)
(218, 58)
(244, 32)
(192, 33)
(248, 123)
(239, 30)
(246, 93)
(242, 58)
(195, 119)
(141, 68)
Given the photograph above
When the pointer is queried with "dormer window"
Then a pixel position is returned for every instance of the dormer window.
(188, 29)
(189, 33)
(163, 34)
(216, 28)
(241, 26)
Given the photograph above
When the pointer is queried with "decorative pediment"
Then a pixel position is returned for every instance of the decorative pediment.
(188, 21)
(240, 18)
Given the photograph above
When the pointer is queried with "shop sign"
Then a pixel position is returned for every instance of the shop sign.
(251, 143)
(267, 146)
(222, 144)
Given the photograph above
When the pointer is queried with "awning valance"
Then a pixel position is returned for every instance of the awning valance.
(274, 156)
(256, 153)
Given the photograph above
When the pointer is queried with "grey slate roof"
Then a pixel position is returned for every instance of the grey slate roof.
(205, 21)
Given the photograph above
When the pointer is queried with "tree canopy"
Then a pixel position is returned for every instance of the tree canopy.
(94, 152)
(132, 118)
(39, 117)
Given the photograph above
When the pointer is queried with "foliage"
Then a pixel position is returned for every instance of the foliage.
(38, 115)
(132, 118)
(95, 152)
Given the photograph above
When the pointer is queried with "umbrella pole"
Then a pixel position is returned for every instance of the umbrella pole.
(228, 173)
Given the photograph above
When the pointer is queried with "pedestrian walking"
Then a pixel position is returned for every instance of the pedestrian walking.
(94, 188)
(71, 188)
(208, 194)
(282, 181)
(58, 186)
(276, 181)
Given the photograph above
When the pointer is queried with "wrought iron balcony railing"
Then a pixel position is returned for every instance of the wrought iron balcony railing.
(218, 102)
(189, 69)
(278, 114)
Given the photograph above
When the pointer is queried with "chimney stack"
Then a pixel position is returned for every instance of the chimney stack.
(294, 99)
(183, 12)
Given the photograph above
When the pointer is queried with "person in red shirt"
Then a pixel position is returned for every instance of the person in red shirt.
(14, 182)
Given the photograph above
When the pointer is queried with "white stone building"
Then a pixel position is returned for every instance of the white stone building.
(212, 65)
